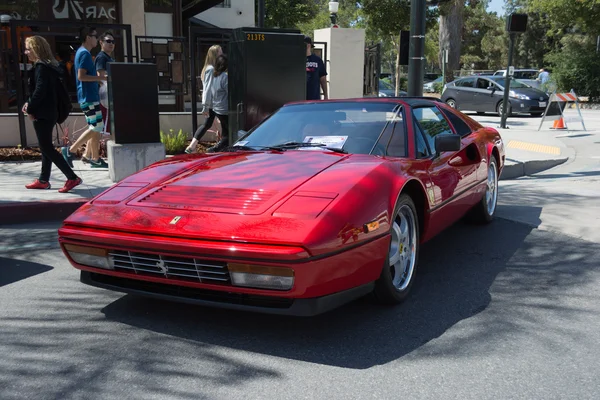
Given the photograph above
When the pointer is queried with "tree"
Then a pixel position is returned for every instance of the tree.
(583, 15)
(451, 27)
(575, 66)
(289, 13)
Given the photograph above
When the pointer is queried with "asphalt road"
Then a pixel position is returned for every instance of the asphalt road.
(505, 311)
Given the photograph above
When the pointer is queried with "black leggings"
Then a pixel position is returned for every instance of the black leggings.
(43, 131)
(223, 119)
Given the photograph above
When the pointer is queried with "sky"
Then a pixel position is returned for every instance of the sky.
(496, 5)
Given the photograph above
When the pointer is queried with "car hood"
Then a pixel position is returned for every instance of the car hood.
(308, 198)
(237, 183)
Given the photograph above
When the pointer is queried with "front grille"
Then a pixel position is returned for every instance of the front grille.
(177, 268)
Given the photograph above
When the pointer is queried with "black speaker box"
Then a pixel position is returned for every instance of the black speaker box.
(516, 23)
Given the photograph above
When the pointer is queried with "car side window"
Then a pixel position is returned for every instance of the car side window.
(397, 143)
(460, 126)
(467, 82)
(483, 83)
(432, 123)
(421, 144)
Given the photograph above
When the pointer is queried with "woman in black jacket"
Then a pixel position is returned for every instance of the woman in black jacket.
(42, 109)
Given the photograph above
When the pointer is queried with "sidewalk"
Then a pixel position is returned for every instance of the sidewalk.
(527, 152)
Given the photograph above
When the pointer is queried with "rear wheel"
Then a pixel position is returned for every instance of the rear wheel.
(451, 103)
(399, 270)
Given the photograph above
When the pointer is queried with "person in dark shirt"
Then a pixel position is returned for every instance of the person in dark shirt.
(42, 109)
(316, 75)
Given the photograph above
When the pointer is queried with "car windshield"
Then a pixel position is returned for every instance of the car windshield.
(514, 83)
(384, 85)
(351, 127)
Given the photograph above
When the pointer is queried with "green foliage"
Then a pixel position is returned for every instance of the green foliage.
(174, 143)
(289, 13)
(583, 15)
(575, 66)
(438, 86)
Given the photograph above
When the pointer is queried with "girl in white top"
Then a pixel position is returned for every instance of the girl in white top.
(207, 78)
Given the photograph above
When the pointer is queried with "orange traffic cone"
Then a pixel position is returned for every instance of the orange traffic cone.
(558, 124)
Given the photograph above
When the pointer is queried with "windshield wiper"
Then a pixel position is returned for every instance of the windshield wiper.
(291, 145)
(251, 148)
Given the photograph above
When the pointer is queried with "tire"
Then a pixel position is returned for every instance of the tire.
(485, 210)
(451, 103)
(499, 109)
(396, 280)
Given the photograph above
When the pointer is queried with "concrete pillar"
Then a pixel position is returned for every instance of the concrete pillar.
(345, 60)
(127, 159)
(133, 14)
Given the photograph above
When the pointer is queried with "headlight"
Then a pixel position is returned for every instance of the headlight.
(89, 256)
(261, 277)
(518, 96)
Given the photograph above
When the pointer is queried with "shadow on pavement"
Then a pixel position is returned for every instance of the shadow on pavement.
(458, 272)
(12, 271)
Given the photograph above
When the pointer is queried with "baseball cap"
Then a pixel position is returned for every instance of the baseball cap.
(307, 40)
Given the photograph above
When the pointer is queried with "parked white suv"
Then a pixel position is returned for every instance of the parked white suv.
(527, 76)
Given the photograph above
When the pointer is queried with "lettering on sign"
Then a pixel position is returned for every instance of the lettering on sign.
(255, 36)
(66, 9)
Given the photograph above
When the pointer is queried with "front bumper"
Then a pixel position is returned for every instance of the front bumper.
(232, 301)
(320, 283)
(528, 106)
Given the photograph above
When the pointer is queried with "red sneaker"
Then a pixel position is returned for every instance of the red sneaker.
(38, 185)
(70, 184)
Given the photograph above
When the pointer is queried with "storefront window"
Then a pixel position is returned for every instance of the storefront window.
(158, 6)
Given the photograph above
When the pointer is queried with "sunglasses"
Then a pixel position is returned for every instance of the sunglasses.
(109, 41)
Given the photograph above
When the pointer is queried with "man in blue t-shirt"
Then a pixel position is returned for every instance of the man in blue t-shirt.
(88, 96)
(316, 75)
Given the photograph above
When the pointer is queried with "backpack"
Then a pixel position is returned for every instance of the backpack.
(63, 101)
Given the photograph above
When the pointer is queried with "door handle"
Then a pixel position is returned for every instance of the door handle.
(456, 161)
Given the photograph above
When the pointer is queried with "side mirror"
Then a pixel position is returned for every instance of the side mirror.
(447, 142)
(241, 133)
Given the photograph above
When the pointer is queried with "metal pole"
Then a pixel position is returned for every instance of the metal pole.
(192, 52)
(507, 79)
(261, 13)
(19, 80)
(417, 48)
(444, 67)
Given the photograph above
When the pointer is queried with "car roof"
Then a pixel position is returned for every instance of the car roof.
(410, 101)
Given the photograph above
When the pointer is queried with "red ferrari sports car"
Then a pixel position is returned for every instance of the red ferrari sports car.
(321, 203)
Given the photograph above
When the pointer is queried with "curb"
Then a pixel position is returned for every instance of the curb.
(519, 169)
(34, 211)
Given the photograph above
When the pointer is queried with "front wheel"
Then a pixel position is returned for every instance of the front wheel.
(501, 106)
(399, 270)
(451, 103)
(485, 210)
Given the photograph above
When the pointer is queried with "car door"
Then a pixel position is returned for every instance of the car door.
(464, 94)
(452, 174)
(485, 100)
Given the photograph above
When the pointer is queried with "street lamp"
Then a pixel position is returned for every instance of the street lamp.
(333, 10)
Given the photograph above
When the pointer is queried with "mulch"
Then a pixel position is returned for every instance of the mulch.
(34, 154)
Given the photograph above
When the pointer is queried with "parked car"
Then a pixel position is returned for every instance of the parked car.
(387, 90)
(430, 76)
(429, 87)
(321, 203)
(485, 94)
(527, 76)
